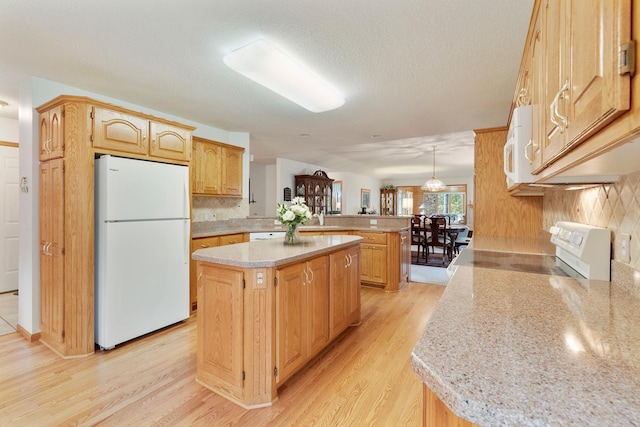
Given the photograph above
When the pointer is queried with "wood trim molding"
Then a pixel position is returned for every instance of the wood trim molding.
(27, 335)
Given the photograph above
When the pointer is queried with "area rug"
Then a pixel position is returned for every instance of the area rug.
(435, 260)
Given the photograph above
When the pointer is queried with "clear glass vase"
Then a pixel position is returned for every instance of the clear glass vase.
(292, 235)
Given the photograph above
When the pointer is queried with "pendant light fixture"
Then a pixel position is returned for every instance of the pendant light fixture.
(434, 184)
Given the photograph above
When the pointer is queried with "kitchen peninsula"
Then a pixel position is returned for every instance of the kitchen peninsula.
(512, 348)
(266, 308)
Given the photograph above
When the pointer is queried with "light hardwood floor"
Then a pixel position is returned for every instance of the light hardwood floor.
(363, 379)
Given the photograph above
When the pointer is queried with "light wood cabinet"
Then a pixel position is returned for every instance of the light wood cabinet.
(232, 171)
(51, 136)
(577, 88)
(124, 132)
(72, 131)
(198, 243)
(66, 224)
(216, 169)
(316, 190)
(537, 77)
(203, 243)
(436, 414)
(373, 266)
(584, 88)
(258, 326)
(405, 255)
(52, 294)
(220, 320)
(385, 259)
(344, 291)
(232, 239)
(302, 320)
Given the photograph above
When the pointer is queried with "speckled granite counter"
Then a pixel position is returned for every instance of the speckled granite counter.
(272, 253)
(332, 223)
(504, 348)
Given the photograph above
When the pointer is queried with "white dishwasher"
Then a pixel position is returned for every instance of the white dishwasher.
(265, 235)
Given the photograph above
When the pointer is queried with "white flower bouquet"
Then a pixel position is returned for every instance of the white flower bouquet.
(296, 213)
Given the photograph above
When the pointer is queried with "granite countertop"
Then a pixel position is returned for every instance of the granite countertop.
(272, 253)
(506, 348)
(274, 229)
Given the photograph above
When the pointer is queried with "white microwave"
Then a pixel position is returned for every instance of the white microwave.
(517, 166)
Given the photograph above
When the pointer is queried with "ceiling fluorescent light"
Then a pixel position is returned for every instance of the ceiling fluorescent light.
(268, 66)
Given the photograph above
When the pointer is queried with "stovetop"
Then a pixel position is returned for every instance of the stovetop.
(527, 263)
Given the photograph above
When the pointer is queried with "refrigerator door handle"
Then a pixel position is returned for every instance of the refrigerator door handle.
(185, 199)
(187, 244)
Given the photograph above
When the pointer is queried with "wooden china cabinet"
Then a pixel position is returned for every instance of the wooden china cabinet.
(316, 189)
(387, 201)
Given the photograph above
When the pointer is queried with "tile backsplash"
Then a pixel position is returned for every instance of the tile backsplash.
(613, 206)
(218, 208)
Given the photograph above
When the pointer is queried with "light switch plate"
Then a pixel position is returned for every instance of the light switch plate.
(625, 244)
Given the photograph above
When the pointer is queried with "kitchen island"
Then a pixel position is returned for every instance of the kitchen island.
(513, 348)
(266, 308)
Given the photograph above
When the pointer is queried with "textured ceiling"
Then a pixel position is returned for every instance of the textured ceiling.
(416, 73)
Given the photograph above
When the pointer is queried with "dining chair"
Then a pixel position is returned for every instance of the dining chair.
(462, 239)
(438, 237)
(416, 236)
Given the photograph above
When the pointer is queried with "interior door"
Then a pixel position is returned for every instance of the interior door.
(9, 218)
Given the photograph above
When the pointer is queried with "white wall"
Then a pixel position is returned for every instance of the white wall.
(33, 93)
(258, 177)
(351, 184)
(8, 130)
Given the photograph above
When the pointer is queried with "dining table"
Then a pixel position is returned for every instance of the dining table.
(451, 231)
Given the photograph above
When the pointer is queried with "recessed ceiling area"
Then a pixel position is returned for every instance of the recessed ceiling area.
(417, 74)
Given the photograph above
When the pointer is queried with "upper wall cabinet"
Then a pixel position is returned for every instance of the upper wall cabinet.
(585, 90)
(572, 73)
(119, 131)
(216, 169)
(51, 135)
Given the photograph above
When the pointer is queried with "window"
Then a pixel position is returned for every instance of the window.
(451, 201)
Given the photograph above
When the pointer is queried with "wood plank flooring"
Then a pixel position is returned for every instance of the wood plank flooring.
(363, 379)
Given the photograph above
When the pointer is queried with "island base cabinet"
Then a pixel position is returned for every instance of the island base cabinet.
(236, 354)
(436, 414)
(220, 319)
(302, 307)
(257, 326)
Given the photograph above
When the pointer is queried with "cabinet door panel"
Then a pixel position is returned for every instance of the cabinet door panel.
(51, 136)
(338, 293)
(220, 316)
(318, 304)
(51, 251)
(170, 142)
(232, 171)
(597, 94)
(374, 263)
(290, 320)
(353, 284)
(557, 74)
(117, 131)
(211, 172)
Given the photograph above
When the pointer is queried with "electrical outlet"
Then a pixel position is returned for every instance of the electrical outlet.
(373, 222)
(625, 244)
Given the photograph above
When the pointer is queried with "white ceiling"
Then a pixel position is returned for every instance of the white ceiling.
(416, 73)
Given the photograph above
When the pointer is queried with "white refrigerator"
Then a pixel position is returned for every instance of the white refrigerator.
(141, 248)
